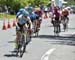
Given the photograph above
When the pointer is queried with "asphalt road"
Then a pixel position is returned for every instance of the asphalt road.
(44, 47)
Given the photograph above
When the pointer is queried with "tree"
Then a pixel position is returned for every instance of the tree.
(39, 2)
(70, 2)
(17, 4)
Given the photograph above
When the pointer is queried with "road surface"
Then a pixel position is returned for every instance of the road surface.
(44, 47)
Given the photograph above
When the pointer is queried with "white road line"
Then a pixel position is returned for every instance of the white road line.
(46, 55)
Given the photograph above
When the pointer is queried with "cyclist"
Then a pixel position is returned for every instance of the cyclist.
(65, 18)
(46, 10)
(65, 14)
(23, 21)
(31, 13)
(32, 16)
(56, 15)
(38, 13)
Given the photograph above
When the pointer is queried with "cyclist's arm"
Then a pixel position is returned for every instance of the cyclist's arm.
(26, 26)
(19, 17)
(30, 23)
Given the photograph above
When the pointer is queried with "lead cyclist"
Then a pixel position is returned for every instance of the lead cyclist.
(23, 20)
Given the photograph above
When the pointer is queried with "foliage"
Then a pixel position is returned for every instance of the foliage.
(16, 4)
(70, 2)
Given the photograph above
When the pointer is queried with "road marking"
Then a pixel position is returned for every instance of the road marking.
(46, 55)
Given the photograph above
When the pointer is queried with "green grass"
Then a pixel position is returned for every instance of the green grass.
(8, 16)
(11, 16)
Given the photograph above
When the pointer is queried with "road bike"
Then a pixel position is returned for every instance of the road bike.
(22, 43)
(36, 27)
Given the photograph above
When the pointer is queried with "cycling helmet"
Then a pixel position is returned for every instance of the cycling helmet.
(30, 9)
(25, 13)
(21, 10)
(45, 8)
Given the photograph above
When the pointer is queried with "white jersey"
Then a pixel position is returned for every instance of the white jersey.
(22, 20)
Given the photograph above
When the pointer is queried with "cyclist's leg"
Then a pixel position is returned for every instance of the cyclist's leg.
(67, 17)
(40, 21)
(34, 25)
(17, 36)
(16, 41)
(67, 20)
(54, 25)
(59, 26)
(38, 18)
(25, 27)
(29, 30)
(38, 24)
(28, 35)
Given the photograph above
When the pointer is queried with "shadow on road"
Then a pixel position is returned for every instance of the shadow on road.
(11, 41)
(10, 55)
(62, 40)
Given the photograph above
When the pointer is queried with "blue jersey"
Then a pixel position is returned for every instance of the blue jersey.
(32, 16)
(22, 12)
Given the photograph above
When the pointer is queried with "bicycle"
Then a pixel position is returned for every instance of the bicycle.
(36, 27)
(56, 28)
(35, 30)
(22, 43)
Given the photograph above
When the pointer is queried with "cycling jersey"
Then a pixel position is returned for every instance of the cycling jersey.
(65, 13)
(22, 20)
(32, 16)
(20, 14)
(39, 13)
(56, 15)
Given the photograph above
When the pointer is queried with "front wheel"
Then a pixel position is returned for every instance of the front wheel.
(23, 48)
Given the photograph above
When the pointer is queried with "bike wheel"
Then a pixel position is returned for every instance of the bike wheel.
(23, 48)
